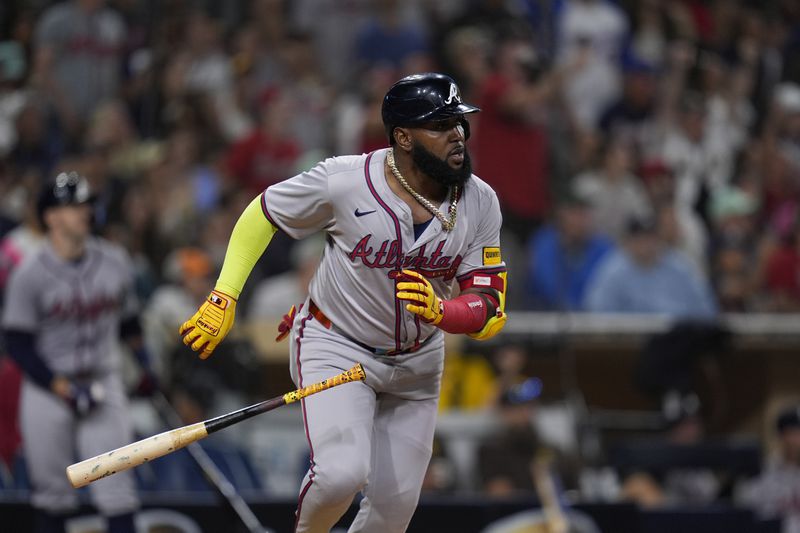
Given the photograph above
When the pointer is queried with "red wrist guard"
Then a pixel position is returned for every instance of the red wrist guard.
(464, 314)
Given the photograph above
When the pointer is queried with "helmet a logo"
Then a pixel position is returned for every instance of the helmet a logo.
(454, 96)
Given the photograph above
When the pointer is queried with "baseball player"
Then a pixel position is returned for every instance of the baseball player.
(406, 226)
(65, 306)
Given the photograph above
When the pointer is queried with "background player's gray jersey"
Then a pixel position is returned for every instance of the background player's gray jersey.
(371, 236)
(74, 309)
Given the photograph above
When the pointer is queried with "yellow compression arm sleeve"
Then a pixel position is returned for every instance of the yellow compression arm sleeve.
(249, 239)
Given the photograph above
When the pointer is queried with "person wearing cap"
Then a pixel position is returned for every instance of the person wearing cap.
(646, 276)
(405, 228)
(775, 492)
(67, 305)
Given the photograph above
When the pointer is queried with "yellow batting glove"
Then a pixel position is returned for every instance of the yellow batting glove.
(209, 325)
(418, 291)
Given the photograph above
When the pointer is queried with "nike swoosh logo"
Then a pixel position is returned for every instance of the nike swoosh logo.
(362, 213)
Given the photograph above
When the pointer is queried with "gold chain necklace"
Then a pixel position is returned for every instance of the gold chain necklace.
(448, 225)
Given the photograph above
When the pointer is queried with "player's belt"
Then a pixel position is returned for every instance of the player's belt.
(317, 313)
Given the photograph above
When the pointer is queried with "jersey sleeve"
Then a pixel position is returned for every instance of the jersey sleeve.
(301, 205)
(483, 253)
(20, 309)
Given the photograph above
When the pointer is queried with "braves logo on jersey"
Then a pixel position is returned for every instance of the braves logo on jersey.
(387, 256)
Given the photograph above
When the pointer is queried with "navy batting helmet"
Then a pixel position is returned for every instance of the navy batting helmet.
(421, 98)
(69, 188)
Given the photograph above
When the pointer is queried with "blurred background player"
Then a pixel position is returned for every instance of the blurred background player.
(66, 305)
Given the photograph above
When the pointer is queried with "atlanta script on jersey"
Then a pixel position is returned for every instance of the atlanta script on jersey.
(371, 238)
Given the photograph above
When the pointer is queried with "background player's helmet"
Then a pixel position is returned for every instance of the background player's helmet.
(69, 188)
(422, 98)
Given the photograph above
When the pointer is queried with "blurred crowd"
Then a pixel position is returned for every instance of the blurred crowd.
(646, 153)
(653, 142)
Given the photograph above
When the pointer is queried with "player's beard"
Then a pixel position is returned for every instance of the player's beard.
(438, 169)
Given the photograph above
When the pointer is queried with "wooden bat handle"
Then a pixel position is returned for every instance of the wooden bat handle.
(134, 454)
(354, 374)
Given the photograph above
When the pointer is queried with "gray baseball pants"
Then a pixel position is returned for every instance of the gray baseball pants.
(374, 437)
(53, 437)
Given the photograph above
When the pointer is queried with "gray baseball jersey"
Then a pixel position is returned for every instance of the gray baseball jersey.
(74, 311)
(374, 437)
(371, 237)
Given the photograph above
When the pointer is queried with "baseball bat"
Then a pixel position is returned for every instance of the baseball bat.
(128, 456)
